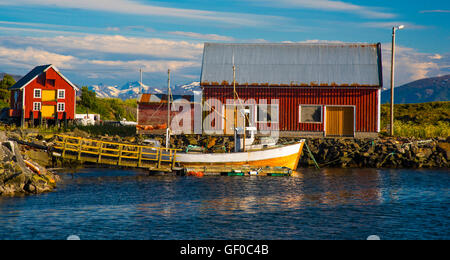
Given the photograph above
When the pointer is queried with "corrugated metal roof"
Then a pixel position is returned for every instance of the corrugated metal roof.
(162, 98)
(300, 64)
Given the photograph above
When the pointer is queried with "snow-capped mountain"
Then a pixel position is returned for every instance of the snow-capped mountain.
(131, 90)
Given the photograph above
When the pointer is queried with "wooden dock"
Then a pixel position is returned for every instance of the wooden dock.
(81, 149)
(154, 159)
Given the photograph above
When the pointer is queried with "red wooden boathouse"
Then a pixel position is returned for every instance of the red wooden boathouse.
(320, 89)
(44, 92)
(152, 113)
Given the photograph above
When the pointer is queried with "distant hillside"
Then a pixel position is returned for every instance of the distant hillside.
(16, 77)
(420, 91)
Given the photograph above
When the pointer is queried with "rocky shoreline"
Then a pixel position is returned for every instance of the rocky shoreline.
(383, 152)
(377, 153)
(17, 177)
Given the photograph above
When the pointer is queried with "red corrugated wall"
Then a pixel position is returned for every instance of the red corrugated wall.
(156, 114)
(365, 101)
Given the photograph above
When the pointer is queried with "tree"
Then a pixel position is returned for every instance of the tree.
(88, 98)
(5, 84)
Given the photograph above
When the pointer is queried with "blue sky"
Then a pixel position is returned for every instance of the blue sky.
(107, 41)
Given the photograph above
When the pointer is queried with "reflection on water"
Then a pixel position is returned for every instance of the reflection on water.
(326, 204)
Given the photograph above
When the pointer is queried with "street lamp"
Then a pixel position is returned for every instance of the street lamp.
(392, 75)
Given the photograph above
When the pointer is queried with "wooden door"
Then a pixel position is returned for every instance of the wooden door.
(48, 111)
(230, 118)
(339, 121)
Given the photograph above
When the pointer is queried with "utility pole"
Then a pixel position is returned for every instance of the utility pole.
(392, 76)
(140, 82)
(169, 94)
(137, 101)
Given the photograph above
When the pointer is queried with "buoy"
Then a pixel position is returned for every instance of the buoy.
(196, 174)
(33, 167)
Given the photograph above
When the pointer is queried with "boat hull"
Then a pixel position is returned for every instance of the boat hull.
(286, 156)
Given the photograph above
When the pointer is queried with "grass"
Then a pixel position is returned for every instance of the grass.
(423, 120)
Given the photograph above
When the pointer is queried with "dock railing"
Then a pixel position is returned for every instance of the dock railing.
(114, 153)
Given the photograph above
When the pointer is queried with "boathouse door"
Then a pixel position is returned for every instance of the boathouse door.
(242, 119)
(339, 121)
(48, 111)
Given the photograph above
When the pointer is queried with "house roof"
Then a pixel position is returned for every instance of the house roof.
(162, 98)
(293, 64)
(34, 73)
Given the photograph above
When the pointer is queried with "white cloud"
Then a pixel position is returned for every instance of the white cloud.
(146, 65)
(435, 57)
(329, 5)
(411, 65)
(435, 11)
(138, 8)
(209, 37)
(115, 44)
(100, 57)
(391, 24)
(31, 57)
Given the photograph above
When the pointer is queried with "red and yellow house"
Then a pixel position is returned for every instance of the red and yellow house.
(44, 92)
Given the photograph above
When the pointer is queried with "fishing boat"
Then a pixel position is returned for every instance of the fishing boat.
(282, 156)
(279, 156)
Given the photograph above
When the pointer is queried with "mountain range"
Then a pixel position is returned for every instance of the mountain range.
(420, 91)
(132, 90)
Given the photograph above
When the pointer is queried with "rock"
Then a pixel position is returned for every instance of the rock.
(445, 148)
(212, 142)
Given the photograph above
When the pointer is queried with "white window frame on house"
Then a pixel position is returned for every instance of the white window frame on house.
(269, 108)
(58, 107)
(310, 105)
(40, 93)
(63, 91)
(39, 106)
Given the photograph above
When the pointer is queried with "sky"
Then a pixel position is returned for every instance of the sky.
(108, 41)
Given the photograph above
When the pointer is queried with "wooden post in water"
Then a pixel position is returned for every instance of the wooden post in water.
(100, 151)
(159, 157)
(173, 158)
(120, 155)
(79, 148)
(140, 157)
(64, 147)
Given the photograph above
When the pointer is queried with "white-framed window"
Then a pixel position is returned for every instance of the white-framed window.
(61, 107)
(36, 106)
(37, 93)
(310, 113)
(61, 93)
(268, 113)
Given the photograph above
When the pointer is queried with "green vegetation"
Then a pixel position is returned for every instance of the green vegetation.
(101, 130)
(423, 120)
(108, 108)
(7, 82)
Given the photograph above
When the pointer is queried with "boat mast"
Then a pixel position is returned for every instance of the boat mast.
(235, 108)
(169, 94)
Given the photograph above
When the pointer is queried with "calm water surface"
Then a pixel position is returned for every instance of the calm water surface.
(327, 204)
